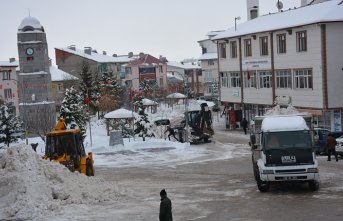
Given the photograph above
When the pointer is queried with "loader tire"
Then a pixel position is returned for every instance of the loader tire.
(89, 168)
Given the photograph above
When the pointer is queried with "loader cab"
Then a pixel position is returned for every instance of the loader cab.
(63, 143)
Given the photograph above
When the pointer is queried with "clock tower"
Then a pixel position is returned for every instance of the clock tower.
(36, 107)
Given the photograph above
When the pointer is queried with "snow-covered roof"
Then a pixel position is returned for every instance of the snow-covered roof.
(283, 123)
(9, 64)
(59, 75)
(175, 75)
(101, 58)
(121, 113)
(176, 95)
(208, 56)
(31, 22)
(183, 65)
(329, 11)
(148, 102)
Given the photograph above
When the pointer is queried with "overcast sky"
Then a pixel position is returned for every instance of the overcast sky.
(171, 28)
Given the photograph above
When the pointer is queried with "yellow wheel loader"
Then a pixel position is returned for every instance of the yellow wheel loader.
(65, 146)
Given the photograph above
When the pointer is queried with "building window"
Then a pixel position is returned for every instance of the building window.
(283, 79)
(250, 79)
(204, 50)
(247, 47)
(6, 75)
(161, 82)
(60, 87)
(161, 69)
(301, 41)
(128, 70)
(222, 50)
(265, 79)
(281, 43)
(208, 76)
(303, 79)
(233, 49)
(147, 70)
(235, 80)
(224, 80)
(264, 46)
(8, 93)
(210, 62)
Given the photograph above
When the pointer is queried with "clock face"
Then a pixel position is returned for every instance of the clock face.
(29, 51)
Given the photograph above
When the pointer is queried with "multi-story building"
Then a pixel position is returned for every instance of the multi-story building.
(293, 55)
(71, 60)
(209, 65)
(9, 84)
(191, 74)
(148, 68)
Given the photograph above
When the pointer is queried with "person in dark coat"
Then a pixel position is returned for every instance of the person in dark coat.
(245, 125)
(171, 132)
(330, 147)
(165, 207)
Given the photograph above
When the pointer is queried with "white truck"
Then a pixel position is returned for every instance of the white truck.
(282, 150)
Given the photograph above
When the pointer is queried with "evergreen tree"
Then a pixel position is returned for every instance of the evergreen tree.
(89, 86)
(72, 111)
(11, 128)
(111, 94)
(146, 87)
(143, 127)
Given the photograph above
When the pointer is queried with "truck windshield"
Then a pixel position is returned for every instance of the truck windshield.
(287, 139)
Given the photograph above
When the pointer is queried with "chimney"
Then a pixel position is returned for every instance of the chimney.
(104, 52)
(12, 60)
(252, 9)
(114, 55)
(141, 55)
(130, 54)
(72, 47)
(88, 50)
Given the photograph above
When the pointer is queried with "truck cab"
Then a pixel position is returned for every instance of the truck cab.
(282, 151)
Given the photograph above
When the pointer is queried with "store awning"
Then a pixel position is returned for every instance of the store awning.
(311, 111)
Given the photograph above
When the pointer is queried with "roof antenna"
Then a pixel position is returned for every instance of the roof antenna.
(29, 12)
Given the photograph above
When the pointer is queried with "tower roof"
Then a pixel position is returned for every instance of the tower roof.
(30, 24)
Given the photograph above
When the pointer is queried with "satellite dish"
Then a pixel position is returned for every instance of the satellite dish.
(279, 5)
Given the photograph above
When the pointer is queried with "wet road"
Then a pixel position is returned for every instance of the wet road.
(215, 187)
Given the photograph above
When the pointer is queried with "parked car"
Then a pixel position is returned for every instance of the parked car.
(320, 136)
(339, 146)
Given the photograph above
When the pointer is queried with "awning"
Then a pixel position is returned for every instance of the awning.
(311, 111)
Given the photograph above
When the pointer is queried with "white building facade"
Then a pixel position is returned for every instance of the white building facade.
(294, 56)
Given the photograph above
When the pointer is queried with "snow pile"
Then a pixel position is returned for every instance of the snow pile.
(277, 110)
(32, 188)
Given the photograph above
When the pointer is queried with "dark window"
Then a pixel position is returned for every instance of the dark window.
(8, 93)
(264, 46)
(233, 47)
(281, 43)
(247, 47)
(6, 75)
(301, 41)
(147, 70)
(204, 50)
(283, 79)
(303, 79)
(222, 50)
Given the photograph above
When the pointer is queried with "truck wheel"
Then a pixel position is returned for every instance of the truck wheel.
(89, 168)
(263, 186)
(313, 185)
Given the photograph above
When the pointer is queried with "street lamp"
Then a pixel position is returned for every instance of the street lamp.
(237, 18)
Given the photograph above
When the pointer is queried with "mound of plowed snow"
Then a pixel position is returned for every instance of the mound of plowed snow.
(33, 188)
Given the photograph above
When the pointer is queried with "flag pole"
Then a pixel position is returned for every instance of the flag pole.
(89, 119)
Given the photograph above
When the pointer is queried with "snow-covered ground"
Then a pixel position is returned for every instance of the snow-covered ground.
(32, 188)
